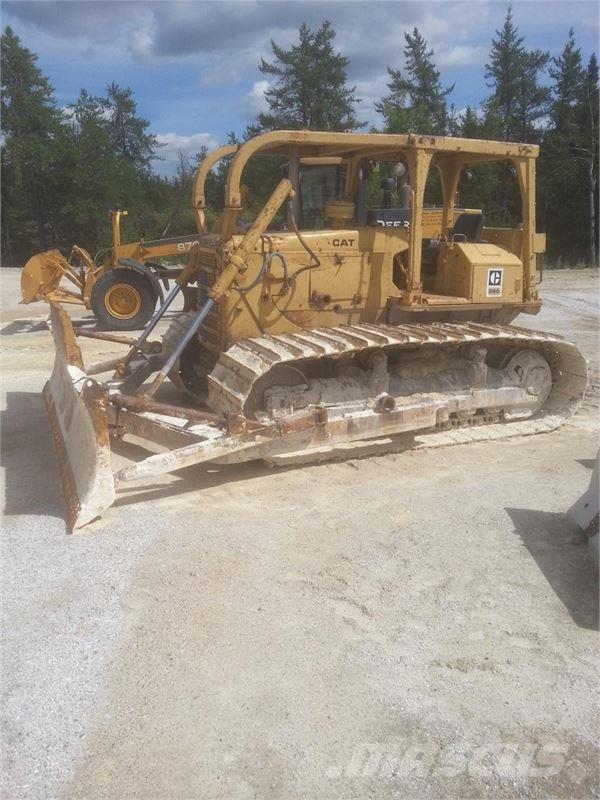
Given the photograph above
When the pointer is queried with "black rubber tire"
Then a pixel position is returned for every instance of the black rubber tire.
(139, 283)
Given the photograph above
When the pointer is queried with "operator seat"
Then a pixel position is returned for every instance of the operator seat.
(468, 225)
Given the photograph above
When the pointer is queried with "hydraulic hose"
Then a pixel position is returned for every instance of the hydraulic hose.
(304, 244)
(265, 265)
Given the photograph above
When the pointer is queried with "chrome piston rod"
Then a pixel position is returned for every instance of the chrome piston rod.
(150, 326)
(185, 340)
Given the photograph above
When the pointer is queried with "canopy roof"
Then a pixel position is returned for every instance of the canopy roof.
(375, 146)
(316, 143)
(329, 147)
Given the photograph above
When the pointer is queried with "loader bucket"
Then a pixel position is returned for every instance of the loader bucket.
(40, 275)
(77, 408)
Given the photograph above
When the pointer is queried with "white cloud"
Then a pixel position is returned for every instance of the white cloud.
(369, 33)
(230, 38)
(369, 93)
(220, 72)
(461, 55)
(172, 143)
(142, 43)
(255, 100)
(194, 46)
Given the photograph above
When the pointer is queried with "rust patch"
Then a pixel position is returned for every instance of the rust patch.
(88, 333)
(95, 398)
(141, 403)
(64, 336)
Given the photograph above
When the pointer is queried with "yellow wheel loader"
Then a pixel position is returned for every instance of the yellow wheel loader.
(123, 284)
(340, 318)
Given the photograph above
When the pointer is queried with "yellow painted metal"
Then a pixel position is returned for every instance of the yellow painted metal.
(372, 145)
(234, 262)
(115, 219)
(370, 257)
(348, 287)
(40, 275)
(362, 270)
(43, 272)
(508, 238)
(268, 298)
(122, 301)
(464, 273)
(198, 198)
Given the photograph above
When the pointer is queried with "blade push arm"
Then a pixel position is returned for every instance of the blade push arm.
(234, 264)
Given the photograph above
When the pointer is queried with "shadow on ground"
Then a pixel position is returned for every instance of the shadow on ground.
(24, 326)
(208, 475)
(32, 483)
(27, 455)
(588, 463)
(191, 479)
(568, 568)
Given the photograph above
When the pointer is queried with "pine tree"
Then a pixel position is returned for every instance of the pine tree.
(518, 101)
(214, 188)
(589, 148)
(417, 100)
(568, 75)
(30, 131)
(559, 170)
(128, 131)
(100, 178)
(503, 73)
(310, 89)
(470, 125)
(568, 163)
(99, 172)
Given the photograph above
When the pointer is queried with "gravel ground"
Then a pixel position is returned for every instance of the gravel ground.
(409, 625)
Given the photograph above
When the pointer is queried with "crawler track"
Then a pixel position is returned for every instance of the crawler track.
(234, 378)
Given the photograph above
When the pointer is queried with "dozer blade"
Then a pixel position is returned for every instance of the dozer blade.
(77, 409)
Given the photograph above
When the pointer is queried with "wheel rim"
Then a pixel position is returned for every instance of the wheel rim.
(122, 301)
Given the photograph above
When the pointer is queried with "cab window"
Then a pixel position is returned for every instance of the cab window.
(318, 185)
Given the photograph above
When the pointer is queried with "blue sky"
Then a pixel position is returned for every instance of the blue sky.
(193, 65)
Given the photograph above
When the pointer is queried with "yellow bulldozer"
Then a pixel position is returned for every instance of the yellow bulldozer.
(340, 316)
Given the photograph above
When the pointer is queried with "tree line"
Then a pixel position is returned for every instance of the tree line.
(63, 168)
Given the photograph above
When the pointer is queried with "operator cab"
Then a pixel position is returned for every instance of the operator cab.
(422, 215)
(458, 245)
